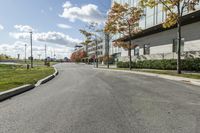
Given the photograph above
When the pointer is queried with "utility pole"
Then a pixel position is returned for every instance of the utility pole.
(18, 56)
(51, 54)
(45, 55)
(45, 50)
(31, 33)
(25, 53)
(54, 54)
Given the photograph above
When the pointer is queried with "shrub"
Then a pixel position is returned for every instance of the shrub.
(110, 59)
(186, 64)
(121, 64)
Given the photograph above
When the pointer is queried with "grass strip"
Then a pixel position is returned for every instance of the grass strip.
(12, 76)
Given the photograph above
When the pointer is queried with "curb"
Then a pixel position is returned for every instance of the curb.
(44, 80)
(19, 90)
(174, 78)
(15, 91)
(56, 72)
(48, 78)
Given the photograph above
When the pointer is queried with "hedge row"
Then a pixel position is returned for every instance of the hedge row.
(186, 64)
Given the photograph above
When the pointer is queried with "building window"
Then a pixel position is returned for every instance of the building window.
(137, 51)
(146, 49)
(175, 45)
(150, 13)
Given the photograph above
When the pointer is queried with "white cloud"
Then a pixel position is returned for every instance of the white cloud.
(19, 35)
(24, 28)
(56, 38)
(64, 26)
(12, 49)
(87, 13)
(59, 42)
(1, 27)
(67, 4)
(18, 47)
(50, 37)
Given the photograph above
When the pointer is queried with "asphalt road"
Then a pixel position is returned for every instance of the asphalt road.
(83, 100)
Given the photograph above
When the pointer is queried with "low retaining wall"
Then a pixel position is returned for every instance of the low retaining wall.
(16, 91)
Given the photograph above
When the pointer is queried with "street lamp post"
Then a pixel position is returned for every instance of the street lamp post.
(45, 51)
(31, 33)
(25, 53)
(45, 54)
(54, 54)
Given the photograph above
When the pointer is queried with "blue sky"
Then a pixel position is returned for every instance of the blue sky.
(54, 22)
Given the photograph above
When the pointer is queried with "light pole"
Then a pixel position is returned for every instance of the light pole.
(18, 56)
(45, 52)
(51, 54)
(54, 54)
(25, 53)
(31, 33)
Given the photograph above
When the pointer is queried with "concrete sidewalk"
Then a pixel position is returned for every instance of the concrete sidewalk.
(105, 66)
(169, 77)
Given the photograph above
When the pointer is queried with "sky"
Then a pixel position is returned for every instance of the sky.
(55, 23)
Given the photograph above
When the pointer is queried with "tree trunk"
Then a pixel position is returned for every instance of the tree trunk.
(96, 54)
(87, 53)
(86, 46)
(108, 49)
(179, 40)
(108, 65)
(130, 57)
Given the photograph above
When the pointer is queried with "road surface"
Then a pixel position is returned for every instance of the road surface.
(83, 100)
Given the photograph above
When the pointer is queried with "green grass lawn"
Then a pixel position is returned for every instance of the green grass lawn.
(36, 62)
(166, 72)
(12, 76)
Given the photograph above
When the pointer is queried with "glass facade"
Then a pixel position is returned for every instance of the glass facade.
(153, 16)
(130, 2)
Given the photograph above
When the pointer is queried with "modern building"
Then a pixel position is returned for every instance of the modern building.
(91, 49)
(77, 47)
(155, 42)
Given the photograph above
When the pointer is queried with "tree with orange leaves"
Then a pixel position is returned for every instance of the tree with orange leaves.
(78, 56)
(124, 20)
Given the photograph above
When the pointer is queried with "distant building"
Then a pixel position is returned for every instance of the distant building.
(66, 59)
(91, 50)
(77, 47)
(48, 58)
